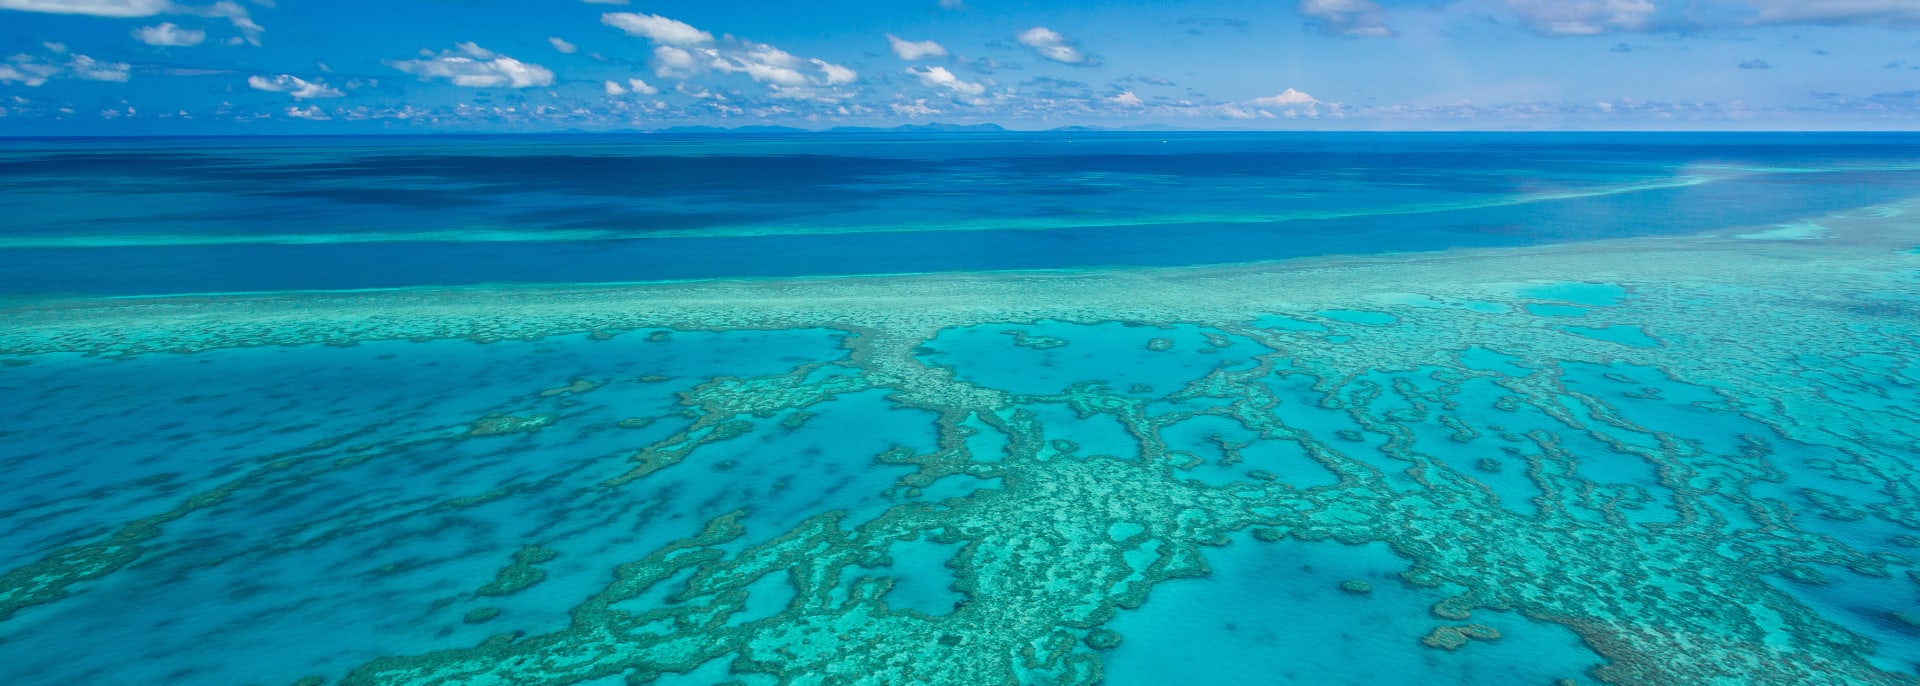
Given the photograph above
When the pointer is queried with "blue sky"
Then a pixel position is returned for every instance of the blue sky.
(102, 67)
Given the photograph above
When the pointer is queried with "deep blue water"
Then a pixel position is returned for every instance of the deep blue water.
(239, 214)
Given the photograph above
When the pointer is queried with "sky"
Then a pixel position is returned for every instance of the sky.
(147, 67)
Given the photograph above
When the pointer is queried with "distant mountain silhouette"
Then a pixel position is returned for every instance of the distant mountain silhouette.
(934, 127)
(924, 128)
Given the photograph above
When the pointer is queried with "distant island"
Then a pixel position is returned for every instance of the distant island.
(933, 127)
(907, 128)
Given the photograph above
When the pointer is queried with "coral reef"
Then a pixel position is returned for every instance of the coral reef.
(1729, 429)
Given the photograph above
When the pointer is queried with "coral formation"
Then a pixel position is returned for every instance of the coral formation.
(1728, 431)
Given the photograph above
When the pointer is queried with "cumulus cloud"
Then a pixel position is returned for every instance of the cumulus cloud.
(1362, 18)
(693, 91)
(475, 67)
(656, 28)
(22, 69)
(917, 108)
(84, 67)
(311, 112)
(1126, 99)
(1584, 17)
(225, 9)
(562, 45)
(1049, 44)
(939, 77)
(234, 14)
(834, 74)
(682, 51)
(672, 62)
(295, 86)
(1289, 103)
(635, 86)
(1286, 98)
(36, 71)
(763, 63)
(169, 34)
(915, 50)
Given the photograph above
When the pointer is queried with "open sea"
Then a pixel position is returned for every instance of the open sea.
(1012, 408)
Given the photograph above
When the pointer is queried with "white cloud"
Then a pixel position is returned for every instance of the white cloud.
(1290, 104)
(32, 73)
(672, 62)
(55, 48)
(295, 86)
(917, 108)
(635, 86)
(939, 77)
(98, 8)
(1286, 98)
(35, 71)
(225, 9)
(1127, 99)
(1905, 13)
(311, 112)
(169, 34)
(772, 66)
(234, 14)
(1362, 18)
(763, 63)
(562, 45)
(1049, 44)
(477, 67)
(833, 74)
(1584, 17)
(820, 94)
(473, 50)
(657, 28)
(915, 50)
(683, 51)
(84, 67)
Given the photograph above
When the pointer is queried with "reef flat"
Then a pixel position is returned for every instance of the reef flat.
(1637, 461)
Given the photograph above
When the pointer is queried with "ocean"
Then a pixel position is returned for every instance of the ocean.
(966, 408)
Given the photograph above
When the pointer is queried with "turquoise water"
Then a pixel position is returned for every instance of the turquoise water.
(1585, 446)
(1276, 613)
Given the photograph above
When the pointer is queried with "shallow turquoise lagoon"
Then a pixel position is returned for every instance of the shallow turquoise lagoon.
(1277, 613)
(1578, 293)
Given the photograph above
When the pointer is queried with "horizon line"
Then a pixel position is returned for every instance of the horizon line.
(961, 129)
